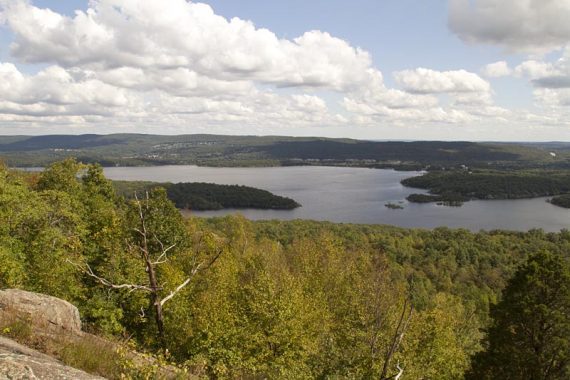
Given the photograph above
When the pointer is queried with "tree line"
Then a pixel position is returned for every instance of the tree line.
(463, 185)
(561, 201)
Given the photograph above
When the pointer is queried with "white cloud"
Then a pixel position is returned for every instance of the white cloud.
(553, 97)
(375, 102)
(372, 114)
(496, 70)
(546, 74)
(472, 99)
(535, 26)
(551, 80)
(55, 89)
(177, 81)
(535, 69)
(175, 66)
(378, 104)
(309, 103)
(426, 81)
(151, 35)
(176, 60)
(57, 92)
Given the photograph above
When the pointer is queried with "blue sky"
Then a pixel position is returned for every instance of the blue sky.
(396, 32)
(439, 69)
(399, 34)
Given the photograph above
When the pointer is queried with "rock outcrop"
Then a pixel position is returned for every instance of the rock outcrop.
(56, 324)
(21, 362)
(44, 312)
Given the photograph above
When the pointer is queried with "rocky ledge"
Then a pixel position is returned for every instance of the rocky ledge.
(45, 315)
(43, 312)
(23, 363)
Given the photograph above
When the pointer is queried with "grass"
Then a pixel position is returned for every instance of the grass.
(14, 326)
(85, 352)
(90, 353)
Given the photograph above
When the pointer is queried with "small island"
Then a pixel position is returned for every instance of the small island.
(393, 206)
(199, 196)
(445, 199)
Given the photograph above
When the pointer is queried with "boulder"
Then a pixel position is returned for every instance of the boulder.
(43, 312)
(20, 362)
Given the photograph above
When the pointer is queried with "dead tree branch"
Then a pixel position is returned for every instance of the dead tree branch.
(400, 372)
(194, 271)
(88, 271)
(397, 339)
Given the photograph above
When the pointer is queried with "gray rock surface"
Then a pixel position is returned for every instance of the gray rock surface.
(18, 362)
(42, 311)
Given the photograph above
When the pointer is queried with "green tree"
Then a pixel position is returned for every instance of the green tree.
(40, 226)
(62, 176)
(439, 341)
(530, 335)
(13, 215)
(158, 236)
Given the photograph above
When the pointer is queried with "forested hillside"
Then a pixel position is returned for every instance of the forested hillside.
(229, 298)
(217, 150)
(463, 185)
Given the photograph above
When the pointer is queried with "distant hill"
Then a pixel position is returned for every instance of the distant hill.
(221, 150)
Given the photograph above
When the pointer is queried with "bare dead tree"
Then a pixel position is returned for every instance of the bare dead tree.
(400, 372)
(404, 320)
(151, 261)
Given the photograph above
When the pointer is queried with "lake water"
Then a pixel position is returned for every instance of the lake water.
(356, 195)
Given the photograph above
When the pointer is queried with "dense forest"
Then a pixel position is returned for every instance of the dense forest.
(217, 150)
(228, 298)
(463, 185)
(561, 201)
(209, 196)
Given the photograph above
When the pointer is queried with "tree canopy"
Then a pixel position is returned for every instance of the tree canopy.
(530, 334)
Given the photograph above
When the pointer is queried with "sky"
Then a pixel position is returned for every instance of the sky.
(479, 70)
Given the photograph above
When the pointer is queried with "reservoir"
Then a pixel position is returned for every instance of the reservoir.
(356, 195)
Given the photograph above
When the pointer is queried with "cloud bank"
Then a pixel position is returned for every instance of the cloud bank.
(178, 67)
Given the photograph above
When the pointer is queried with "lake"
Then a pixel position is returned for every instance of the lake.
(356, 195)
